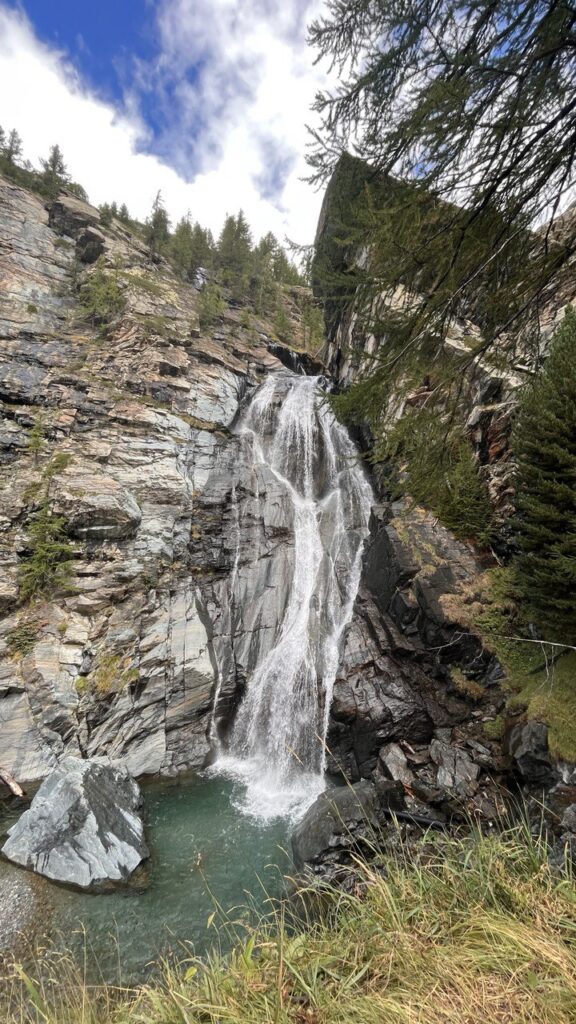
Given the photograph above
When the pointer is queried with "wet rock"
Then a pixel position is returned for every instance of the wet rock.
(392, 763)
(390, 794)
(83, 827)
(337, 824)
(568, 822)
(456, 770)
(528, 745)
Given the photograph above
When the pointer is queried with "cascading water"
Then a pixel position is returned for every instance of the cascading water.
(276, 745)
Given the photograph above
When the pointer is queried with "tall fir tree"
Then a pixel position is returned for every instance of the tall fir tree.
(234, 254)
(54, 173)
(157, 232)
(181, 247)
(544, 443)
(13, 147)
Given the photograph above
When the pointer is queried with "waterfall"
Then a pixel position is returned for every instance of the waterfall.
(276, 746)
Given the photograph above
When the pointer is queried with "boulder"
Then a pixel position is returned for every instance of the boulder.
(70, 216)
(90, 245)
(82, 827)
(456, 770)
(336, 824)
(528, 747)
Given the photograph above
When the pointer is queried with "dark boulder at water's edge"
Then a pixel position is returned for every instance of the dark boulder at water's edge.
(83, 827)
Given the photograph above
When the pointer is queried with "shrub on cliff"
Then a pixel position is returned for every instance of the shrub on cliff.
(210, 306)
(544, 443)
(48, 565)
(101, 298)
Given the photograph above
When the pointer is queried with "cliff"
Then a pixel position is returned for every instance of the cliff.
(130, 423)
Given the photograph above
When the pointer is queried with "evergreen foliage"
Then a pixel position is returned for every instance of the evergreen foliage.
(101, 297)
(191, 247)
(282, 325)
(210, 305)
(54, 173)
(465, 116)
(234, 254)
(48, 565)
(36, 438)
(157, 229)
(438, 471)
(544, 444)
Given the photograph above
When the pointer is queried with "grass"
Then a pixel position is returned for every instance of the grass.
(538, 681)
(550, 696)
(473, 930)
(112, 675)
(22, 639)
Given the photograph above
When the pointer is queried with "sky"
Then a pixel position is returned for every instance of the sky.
(205, 100)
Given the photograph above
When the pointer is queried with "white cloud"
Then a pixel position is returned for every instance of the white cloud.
(231, 87)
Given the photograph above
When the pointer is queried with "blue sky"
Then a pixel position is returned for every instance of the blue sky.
(101, 37)
(205, 99)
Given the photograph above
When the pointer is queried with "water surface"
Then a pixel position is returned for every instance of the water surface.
(205, 854)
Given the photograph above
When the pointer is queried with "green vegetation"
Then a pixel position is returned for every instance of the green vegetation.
(157, 228)
(23, 638)
(210, 305)
(454, 103)
(110, 211)
(191, 247)
(478, 929)
(112, 675)
(540, 677)
(54, 175)
(544, 445)
(47, 182)
(101, 297)
(47, 566)
(282, 325)
(431, 462)
(36, 438)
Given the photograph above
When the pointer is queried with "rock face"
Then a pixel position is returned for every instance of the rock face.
(528, 744)
(337, 824)
(83, 827)
(132, 426)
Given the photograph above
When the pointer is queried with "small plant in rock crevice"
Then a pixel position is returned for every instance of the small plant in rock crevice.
(22, 639)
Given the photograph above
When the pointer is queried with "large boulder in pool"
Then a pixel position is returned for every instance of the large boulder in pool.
(83, 827)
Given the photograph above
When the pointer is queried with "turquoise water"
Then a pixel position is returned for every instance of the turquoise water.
(205, 855)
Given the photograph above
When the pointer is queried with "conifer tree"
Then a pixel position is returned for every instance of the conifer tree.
(544, 443)
(49, 563)
(157, 232)
(202, 249)
(13, 147)
(54, 173)
(234, 253)
(181, 247)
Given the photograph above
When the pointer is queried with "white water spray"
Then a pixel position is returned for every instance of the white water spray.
(277, 744)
